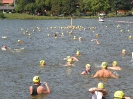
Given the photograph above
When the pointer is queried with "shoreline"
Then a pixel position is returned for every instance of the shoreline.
(12, 16)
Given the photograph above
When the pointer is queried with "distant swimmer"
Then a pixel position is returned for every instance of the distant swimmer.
(69, 62)
(42, 63)
(4, 48)
(20, 42)
(97, 42)
(115, 66)
(98, 93)
(87, 69)
(72, 57)
(38, 87)
(104, 72)
(78, 53)
(80, 38)
(123, 52)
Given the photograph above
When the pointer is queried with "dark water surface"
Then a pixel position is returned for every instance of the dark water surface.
(18, 66)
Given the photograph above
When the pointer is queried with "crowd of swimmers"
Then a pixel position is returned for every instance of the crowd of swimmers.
(98, 92)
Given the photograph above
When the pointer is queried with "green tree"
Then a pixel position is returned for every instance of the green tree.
(20, 5)
(55, 7)
(30, 7)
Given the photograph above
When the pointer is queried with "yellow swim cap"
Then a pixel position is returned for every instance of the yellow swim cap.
(119, 94)
(104, 64)
(87, 65)
(77, 53)
(18, 40)
(42, 62)
(69, 60)
(123, 50)
(36, 79)
(100, 85)
(115, 63)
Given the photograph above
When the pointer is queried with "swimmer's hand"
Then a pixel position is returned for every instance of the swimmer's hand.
(45, 83)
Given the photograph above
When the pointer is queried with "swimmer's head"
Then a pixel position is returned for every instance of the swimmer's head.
(77, 53)
(87, 65)
(19, 41)
(115, 63)
(104, 64)
(123, 51)
(97, 35)
(42, 62)
(69, 60)
(74, 37)
(100, 85)
(36, 79)
(119, 95)
(80, 38)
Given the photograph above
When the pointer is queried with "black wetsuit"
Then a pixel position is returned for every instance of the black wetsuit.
(34, 88)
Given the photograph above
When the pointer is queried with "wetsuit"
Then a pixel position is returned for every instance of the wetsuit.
(34, 88)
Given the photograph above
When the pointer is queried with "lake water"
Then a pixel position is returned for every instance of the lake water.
(21, 63)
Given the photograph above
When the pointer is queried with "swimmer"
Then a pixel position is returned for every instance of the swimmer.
(38, 87)
(42, 63)
(4, 48)
(98, 93)
(78, 53)
(87, 69)
(97, 42)
(74, 37)
(80, 38)
(123, 52)
(72, 57)
(62, 34)
(115, 66)
(120, 95)
(20, 42)
(97, 35)
(69, 62)
(104, 72)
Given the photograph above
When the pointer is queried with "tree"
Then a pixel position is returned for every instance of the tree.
(55, 8)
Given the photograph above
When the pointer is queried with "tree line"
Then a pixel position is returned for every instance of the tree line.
(71, 7)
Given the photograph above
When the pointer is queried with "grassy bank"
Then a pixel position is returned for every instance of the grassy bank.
(27, 16)
(32, 17)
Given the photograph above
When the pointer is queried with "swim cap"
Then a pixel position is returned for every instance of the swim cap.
(87, 65)
(69, 60)
(115, 63)
(123, 50)
(18, 40)
(104, 64)
(77, 53)
(119, 94)
(42, 62)
(36, 79)
(100, 85)
(74, 37)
